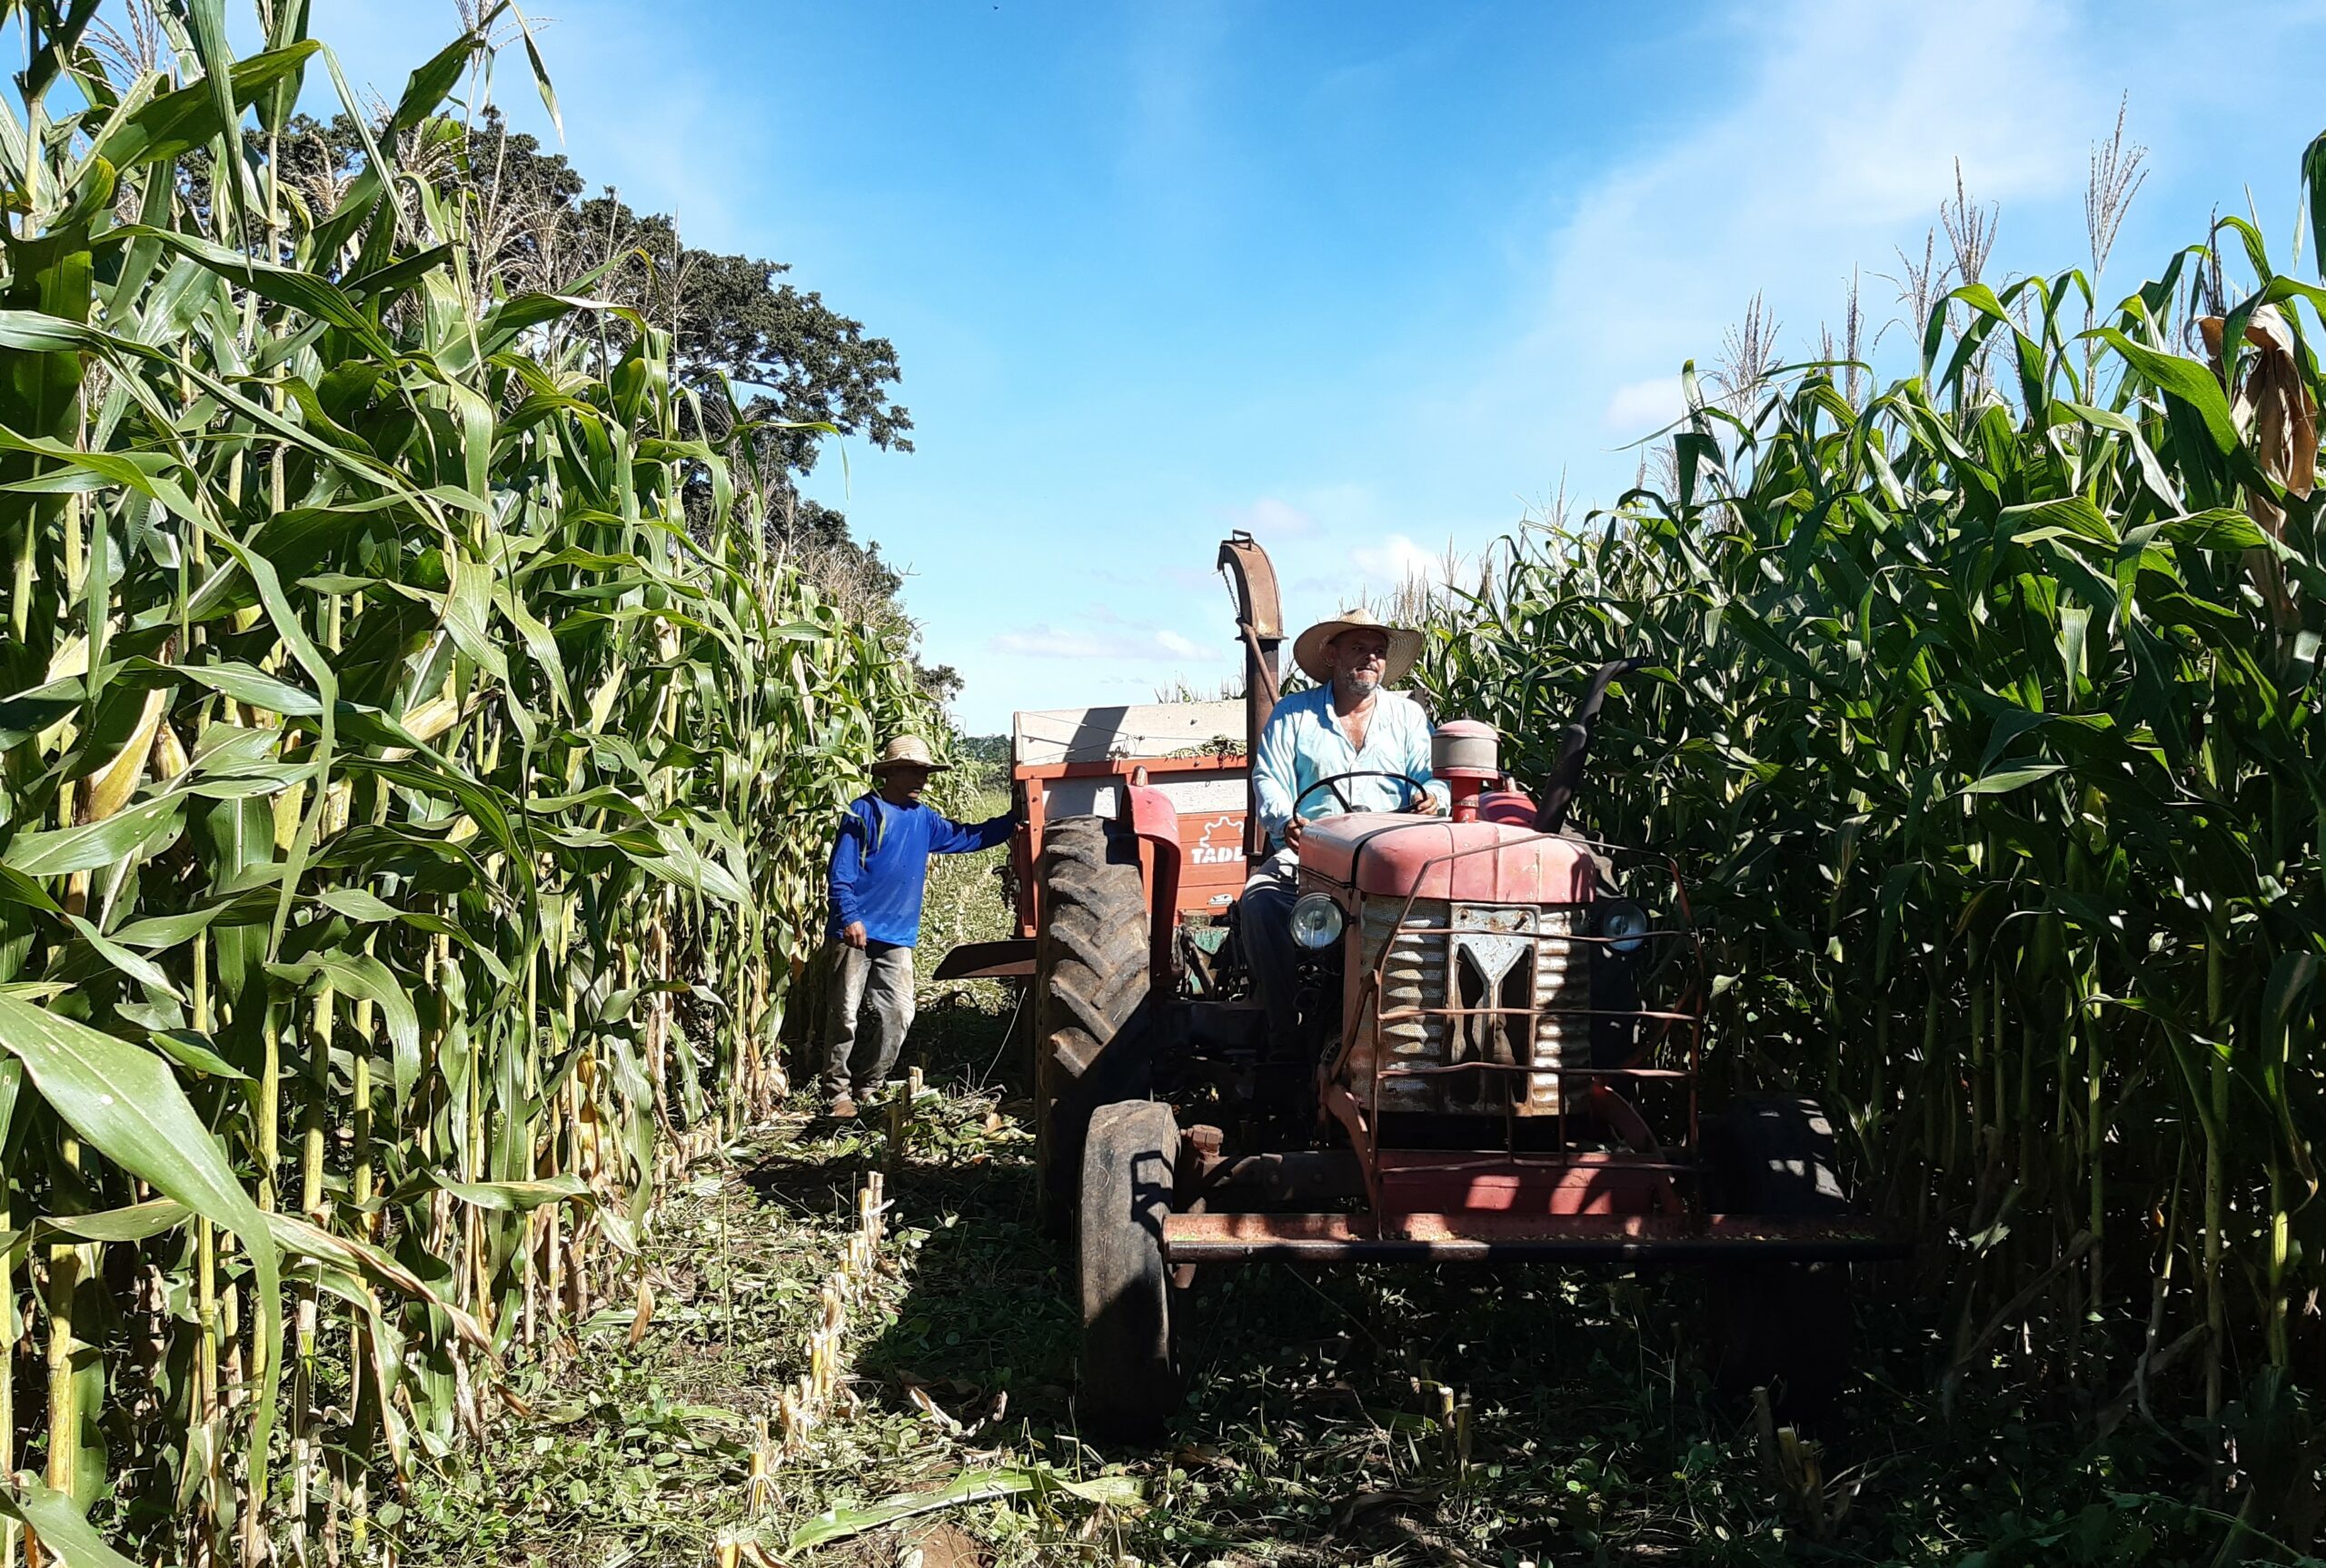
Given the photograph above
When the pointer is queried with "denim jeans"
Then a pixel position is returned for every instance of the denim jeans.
(873, 982)
(1264, 925)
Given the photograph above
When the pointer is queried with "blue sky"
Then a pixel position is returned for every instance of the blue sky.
(1368, 278)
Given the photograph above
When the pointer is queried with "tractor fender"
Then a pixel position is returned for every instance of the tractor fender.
(1156, 821)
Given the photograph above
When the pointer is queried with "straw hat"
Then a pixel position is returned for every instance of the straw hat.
(909, 751)
(1308, 648)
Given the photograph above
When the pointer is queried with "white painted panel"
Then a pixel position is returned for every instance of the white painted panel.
(1209, 792)
(1102, 797)
(1079, 797)
(1042, 740)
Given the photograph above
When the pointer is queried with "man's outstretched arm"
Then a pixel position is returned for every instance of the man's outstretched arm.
(953, 837)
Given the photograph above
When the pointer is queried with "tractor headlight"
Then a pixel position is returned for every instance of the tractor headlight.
(1624, 925)
(1317, 921)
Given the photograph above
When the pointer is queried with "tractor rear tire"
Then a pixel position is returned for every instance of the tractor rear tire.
(1090, 963)
(1130, 1372)
(1784, 1326)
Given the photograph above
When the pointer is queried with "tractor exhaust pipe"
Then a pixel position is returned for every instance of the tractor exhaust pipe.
(1259, 622)
(1574, 746)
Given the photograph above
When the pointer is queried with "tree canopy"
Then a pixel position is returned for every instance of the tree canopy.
(794, 362)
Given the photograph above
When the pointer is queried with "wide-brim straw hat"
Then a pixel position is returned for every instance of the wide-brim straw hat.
(1309, 648)
(909, 751)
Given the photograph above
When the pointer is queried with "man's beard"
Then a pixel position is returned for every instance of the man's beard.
(1360, 682)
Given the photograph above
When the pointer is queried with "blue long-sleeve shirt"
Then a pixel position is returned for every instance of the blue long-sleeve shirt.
(879, 865)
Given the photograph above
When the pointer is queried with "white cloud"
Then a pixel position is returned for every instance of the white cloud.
(1054, 642)
(1844, 138)
(675, 150)
(1398, 559)
(1116, 640)
(1834, 151)
(1639, 407)
(1270, 518)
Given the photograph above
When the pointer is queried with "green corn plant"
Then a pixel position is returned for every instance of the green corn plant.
(413, 766)
(1982, 712)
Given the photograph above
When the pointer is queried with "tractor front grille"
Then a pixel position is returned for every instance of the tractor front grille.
(1473, 983)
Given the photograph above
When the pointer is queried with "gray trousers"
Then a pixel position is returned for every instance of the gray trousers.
(1264, 925)
(875, 982)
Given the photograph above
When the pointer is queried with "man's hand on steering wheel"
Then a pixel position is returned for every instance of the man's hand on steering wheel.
(1421, 804)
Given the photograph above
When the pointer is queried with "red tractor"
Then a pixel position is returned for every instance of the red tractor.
(1500, 1028)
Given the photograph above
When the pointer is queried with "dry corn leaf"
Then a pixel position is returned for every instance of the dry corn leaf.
(645, 1313)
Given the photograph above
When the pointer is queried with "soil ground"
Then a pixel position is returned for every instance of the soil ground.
(1317, 1429)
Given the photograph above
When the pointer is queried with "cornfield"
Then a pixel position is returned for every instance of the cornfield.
(411, 789)
(1983, 714)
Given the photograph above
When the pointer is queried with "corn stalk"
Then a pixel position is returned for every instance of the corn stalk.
(1985, 715)
(411, 775)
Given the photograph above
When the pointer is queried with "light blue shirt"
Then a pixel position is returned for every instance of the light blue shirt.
(1304, 742)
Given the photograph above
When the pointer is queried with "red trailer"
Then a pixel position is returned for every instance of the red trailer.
(1078, 761)
(1073, 762)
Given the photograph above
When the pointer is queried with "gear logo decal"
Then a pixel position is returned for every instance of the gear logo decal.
(1222, 843)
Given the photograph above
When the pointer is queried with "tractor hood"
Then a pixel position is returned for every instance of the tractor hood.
(1395, 856)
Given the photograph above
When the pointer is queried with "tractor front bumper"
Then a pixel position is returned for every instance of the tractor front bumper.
(1189, 1239)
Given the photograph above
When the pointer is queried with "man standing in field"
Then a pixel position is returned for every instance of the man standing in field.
(1348, 722)
(880, 867)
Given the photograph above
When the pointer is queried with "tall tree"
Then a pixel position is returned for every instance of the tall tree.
(796, 362)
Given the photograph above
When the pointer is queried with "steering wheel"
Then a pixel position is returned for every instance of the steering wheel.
(1333, 781)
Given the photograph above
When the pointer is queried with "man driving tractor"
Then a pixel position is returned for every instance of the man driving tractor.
(1349, 723)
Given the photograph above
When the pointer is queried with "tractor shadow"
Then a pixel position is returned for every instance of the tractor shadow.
(1570, 1375)
(984, 1327)
(1351, 1357)
(985, 1324)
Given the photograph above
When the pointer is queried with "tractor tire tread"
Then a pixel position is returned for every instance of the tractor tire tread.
(1091, 981)
(1130, 1374)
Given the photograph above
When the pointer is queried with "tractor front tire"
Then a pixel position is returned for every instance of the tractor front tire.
(1130, 1374)
(1784, 1326)
(1090, 961)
